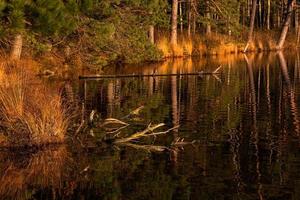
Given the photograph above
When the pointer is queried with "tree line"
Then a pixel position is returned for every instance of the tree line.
(128, 29)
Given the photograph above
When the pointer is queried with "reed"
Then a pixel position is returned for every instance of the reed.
(219, 44)
(31, 113)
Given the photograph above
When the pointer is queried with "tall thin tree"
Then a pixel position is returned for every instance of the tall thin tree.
(286, 24)
(252, 20)
(174, 23)
(208, 18)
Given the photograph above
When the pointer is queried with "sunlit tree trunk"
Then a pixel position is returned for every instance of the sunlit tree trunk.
(298, 36)
(194, 23)
(181, 17)
(208, 18)
(248, 8)
(252, 20)
(260, 14)
(286, 25)
(151, 34)
(268, 14)
(278, 18)
(296, 21)
(174, 23)
(16, 50)
(189, 18)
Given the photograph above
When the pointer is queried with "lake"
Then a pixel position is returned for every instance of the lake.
(237, 135)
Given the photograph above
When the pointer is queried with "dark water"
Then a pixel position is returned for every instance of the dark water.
(244, 123)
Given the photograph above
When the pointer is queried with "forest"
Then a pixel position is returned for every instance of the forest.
(103, 32)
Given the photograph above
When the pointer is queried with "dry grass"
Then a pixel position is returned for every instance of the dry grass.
(183, 48)
(30, 112)
(219, 44)
(216, 44)
(164, 45)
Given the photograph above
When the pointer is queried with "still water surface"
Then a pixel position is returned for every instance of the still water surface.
(244, 123)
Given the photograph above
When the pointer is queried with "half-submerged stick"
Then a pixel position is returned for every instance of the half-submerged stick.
(149, 75)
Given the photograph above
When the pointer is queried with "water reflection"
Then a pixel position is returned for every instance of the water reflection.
(245, 121)
(23, 175)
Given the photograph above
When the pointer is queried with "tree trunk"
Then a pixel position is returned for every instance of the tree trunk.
(208, 18)
(252, 20)
(189, 18)
(298, 36)
(249, 3)
(260, 14)
(194, 23)
(17, 47)
(268, 14)
(180, 17)
(278, 19)
(296, 20)
(286, 25)
(151, 34)
(174, 23)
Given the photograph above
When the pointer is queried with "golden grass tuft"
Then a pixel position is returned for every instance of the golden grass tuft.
(164, 46)
(30, 112)
(187, 46)
(219, 44)
(177, 50)
(216, 44)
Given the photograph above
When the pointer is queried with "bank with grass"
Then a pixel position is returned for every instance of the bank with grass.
(98, 33)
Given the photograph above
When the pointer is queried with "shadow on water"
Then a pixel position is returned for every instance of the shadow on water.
(245, 122)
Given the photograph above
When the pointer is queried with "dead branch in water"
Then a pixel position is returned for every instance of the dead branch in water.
(134, 112)
(144, 133)
(113, 129)
(113, 121)
(147, 148)
(148, 75)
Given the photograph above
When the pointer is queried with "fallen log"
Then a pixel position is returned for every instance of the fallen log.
(146, 75)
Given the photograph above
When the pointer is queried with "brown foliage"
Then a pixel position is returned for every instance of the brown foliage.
(31, 113)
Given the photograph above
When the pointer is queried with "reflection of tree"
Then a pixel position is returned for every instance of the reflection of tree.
(290, 91)
(174, 99)
(248, 153)
(254, 134)
(20, 174)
